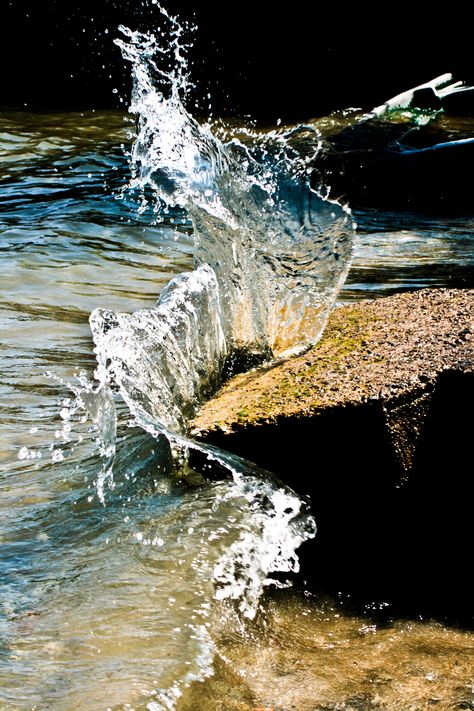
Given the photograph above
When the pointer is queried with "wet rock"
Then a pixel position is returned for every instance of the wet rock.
(390, 351)
(372, 424)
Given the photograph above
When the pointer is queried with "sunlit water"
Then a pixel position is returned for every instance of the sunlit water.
(104, 606)
(120, 555)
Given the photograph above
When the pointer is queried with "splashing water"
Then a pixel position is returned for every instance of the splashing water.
(270, 251)
(270, 255)
(168, 358)
(94, 403)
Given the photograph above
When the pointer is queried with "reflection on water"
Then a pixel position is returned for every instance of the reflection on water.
(400, 251)
(104, 607)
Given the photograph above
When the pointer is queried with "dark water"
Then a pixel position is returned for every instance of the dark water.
(115, 606)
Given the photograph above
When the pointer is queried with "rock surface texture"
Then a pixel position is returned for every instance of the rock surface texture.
(391, 351)
(375, 424)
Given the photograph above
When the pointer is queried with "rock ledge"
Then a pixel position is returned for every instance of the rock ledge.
(390, 350)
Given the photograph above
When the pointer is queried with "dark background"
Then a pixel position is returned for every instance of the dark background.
(294, 61)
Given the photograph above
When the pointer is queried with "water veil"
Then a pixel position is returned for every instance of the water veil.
(271, 252)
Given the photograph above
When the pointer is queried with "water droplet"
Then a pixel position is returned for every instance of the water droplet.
(57, 455)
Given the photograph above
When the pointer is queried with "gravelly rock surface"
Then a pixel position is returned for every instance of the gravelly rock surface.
(390, 349)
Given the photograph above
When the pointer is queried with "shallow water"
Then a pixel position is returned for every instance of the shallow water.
(309, 654)
(114, 606)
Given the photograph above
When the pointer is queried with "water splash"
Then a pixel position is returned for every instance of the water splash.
(168, 359)
(272, 525)
(277, 523)
(271, 251)
(279, 249)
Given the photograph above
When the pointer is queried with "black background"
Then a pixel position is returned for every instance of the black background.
(290, 61)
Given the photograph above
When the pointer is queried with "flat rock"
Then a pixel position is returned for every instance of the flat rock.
(391, 350)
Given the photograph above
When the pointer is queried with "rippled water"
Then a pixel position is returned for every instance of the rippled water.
(102, 607)
(118, 586)
(99, 605)
(401, 251)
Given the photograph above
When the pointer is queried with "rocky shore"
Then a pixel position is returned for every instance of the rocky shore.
(375, 424)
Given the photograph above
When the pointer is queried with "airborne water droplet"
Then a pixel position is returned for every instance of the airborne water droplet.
(57, 456)
(23, 453)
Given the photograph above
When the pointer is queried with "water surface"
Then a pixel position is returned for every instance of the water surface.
(115, 606)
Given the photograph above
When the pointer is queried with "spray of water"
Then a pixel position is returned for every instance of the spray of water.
(271, 251)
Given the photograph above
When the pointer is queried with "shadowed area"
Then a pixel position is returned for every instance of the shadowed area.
(289, 63)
